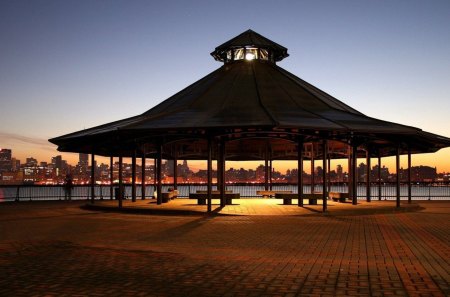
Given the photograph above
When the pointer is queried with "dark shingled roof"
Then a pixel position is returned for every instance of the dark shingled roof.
(249, 95)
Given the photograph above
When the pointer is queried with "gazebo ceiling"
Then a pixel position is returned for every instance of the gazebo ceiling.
(251, 104)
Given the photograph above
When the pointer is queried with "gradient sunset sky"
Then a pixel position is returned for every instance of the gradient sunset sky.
(70, 65)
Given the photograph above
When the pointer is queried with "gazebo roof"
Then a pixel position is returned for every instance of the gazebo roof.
(255, 95)
(250, 38)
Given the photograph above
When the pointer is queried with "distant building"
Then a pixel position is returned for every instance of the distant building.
(384, 173)
(15, 164)
(183, 170)
(57, 162)
(339, 173)
(82, 170)
(83, 162)
(420, 173)
(31, 162)
(5, 160)
(361, 171)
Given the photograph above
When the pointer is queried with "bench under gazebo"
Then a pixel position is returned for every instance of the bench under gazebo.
(252, 109)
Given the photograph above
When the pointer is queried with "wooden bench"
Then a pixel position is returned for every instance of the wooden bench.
(167, 196)
(270, 193)
(214, 192)
(337, 196)
(312, 198)
(202, 197)
(287, 197)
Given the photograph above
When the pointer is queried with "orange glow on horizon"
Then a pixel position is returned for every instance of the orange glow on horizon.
(440, 160)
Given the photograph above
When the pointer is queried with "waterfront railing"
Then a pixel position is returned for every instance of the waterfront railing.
(387, 191)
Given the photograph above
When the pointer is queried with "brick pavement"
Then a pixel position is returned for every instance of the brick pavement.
(58, 249)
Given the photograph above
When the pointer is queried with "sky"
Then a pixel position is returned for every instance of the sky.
(70, 65)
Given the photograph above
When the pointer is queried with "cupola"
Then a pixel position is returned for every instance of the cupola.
(249, 46)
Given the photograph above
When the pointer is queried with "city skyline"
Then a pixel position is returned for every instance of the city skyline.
(67, 66)
(32, 171)
(201, 165)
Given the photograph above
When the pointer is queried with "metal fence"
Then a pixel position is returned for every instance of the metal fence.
(421, 191)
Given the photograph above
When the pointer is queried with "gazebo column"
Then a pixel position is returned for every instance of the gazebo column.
(324, 174)
(209, 182)
(120, 194)
(354, 174)
(155, 175)
(329, 172)
(175, 173)
(379, 176)
(266, 169)
(222, 173)
(300, 172)
(368, 177)
(92, 178)
(397, 177)
(133, 177)
(312, 169)
(350, 178)
(143, 176)
(158, 175)
(270, 173)
(219, 171)
(409, 175)
(111, 177)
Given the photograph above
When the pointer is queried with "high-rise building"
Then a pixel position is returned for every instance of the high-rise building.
(339, 173)
(83, 159)
(31, 162)
(57, 165)
(15, 164)
(361, 172)
(84, 162)
(57, 162)
(5, 160)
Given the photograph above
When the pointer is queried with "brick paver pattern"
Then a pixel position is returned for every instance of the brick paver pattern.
(58, 249)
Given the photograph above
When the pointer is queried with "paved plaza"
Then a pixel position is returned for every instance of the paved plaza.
(253, 248)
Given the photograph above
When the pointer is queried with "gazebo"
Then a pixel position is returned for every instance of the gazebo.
(252, 109)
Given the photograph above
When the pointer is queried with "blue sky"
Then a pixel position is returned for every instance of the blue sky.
(69, 65)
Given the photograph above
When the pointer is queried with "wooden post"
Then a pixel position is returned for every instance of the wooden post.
(354, 174)
(220, 172)
(175, 173)
(92, 178)
(155, 174)
(266, 168)
(409, 175)
(219, 169)
(312, 169)
(379, 176)
(324, 174)
(223, 168)
(158, 176)
(329, 171)
(209, 187)
(270, 173)
(397, 167)
(120, 194)
(143, 176)
(300, 172)
(133, 177)
(350, 178)
(111, 177)
(368, 177)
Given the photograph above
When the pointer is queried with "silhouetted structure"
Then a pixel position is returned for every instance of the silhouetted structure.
(251, 109)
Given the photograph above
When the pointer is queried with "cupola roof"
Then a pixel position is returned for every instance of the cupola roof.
(250, 39)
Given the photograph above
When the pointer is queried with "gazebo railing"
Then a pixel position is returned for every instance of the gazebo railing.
(419, 191)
